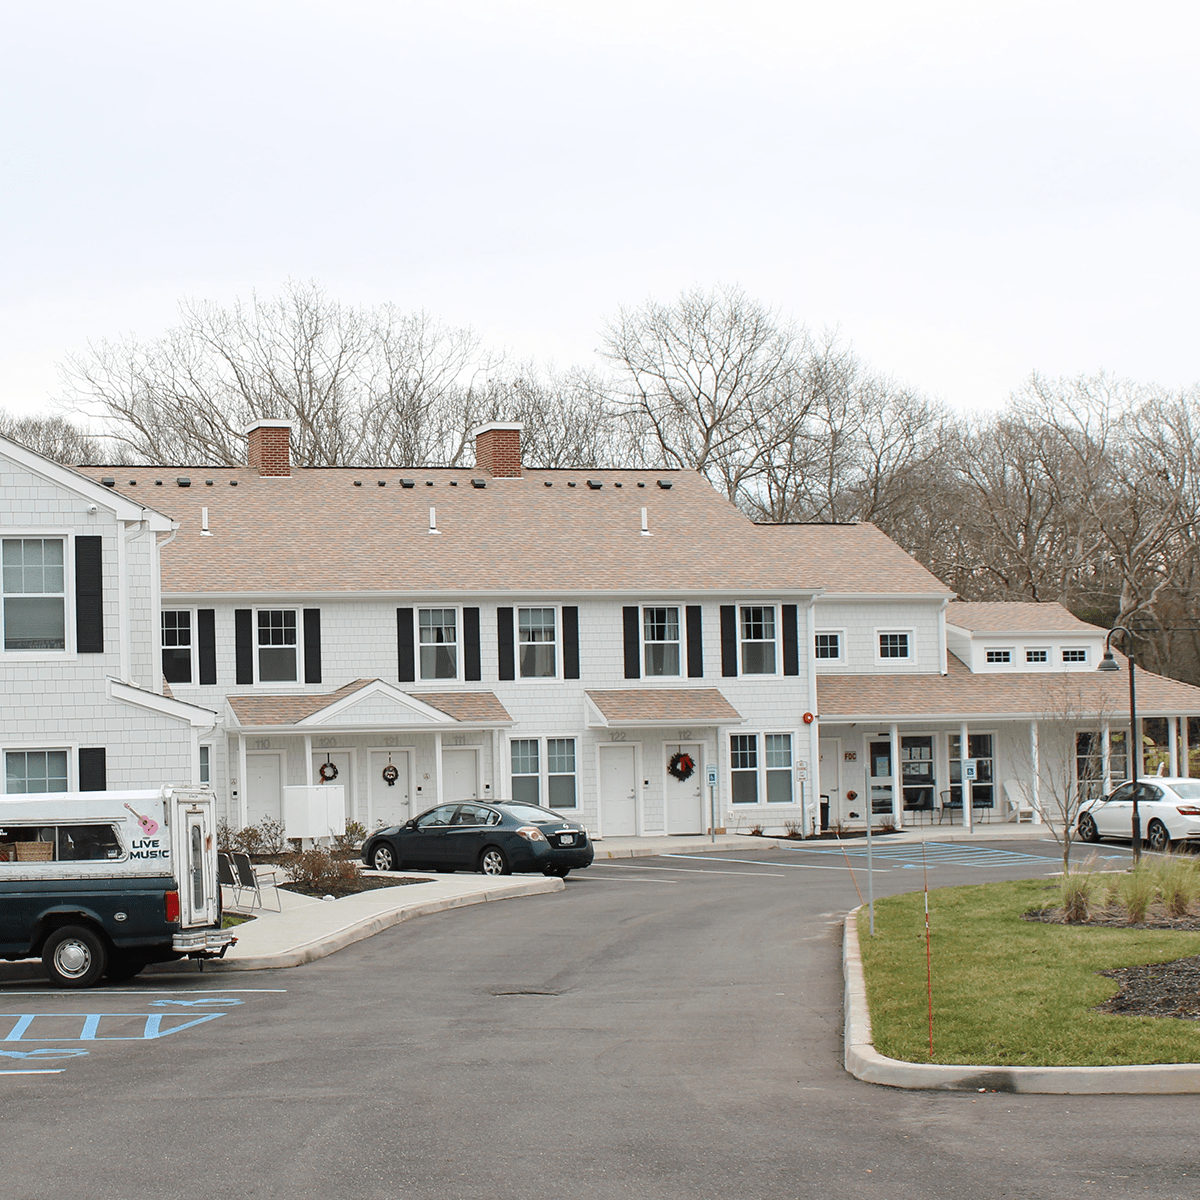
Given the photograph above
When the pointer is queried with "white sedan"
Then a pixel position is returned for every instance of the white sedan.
(1169, 809)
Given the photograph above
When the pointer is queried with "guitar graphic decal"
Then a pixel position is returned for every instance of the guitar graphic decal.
(149, 826)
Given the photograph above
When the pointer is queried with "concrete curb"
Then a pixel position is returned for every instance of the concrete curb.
(864, 1062)
(365, 927)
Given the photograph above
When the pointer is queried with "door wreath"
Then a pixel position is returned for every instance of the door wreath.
(328, 772)
(681, 766)
(390, 775)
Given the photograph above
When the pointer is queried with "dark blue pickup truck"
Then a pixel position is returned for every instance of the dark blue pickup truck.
(100, 884)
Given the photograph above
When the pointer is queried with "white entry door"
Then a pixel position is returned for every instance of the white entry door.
(343, 760)
(264, 781)
(685, 798)
(389, 802)
(460, 779)
(618, 792)
(830, 750)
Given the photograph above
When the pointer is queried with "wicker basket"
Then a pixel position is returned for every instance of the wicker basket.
(35, 851)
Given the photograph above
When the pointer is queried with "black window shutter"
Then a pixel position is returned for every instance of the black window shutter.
(471, 667)
(570, 622)
(695, 642)
(504, 643)
(729, 664)
(89, 598)
(93, 777)
(243, 636)
(791, 640)
(206, 640)
(633, 650)
(312, 645)
(405, 654)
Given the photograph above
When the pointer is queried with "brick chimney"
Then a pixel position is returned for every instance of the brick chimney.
(498, 449)
(269, 447)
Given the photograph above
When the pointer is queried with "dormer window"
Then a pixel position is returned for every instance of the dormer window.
(1075, 654)
(1037, 654)
(998, 657)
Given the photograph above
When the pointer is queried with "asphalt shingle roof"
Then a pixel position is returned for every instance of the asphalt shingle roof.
(1013, 616)
(472, 707)
(700, 706)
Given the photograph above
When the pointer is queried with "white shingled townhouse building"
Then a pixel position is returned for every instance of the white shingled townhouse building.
(592, 640)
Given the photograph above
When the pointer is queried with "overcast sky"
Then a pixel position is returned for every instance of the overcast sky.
(968, 190)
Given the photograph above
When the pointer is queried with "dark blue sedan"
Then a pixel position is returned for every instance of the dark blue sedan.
(496, 839)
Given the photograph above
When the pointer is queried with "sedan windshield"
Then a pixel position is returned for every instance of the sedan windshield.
(527, 812)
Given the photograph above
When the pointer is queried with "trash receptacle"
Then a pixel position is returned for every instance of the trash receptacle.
(824, 814)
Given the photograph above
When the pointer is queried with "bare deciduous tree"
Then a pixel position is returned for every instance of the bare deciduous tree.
(56, 438)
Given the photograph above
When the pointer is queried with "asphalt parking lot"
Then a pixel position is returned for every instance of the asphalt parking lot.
(663, 1028)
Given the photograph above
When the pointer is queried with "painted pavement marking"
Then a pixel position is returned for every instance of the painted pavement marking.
(915, 855)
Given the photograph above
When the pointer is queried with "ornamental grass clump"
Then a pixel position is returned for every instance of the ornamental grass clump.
(1178, 883)
(1136, 893)
(1077, 891)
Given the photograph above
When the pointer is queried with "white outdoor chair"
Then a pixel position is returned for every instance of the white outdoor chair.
(1020, 806)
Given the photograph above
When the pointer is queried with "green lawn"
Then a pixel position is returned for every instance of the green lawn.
(1008, 991)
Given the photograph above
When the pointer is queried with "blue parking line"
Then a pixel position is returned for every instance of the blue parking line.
(933, 854)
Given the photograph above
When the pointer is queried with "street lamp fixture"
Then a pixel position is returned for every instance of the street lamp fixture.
(1109, 663)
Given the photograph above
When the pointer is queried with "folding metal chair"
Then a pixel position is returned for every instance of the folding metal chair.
(249, 881)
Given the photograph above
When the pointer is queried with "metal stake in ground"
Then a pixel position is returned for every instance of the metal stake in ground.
(928, 956)
(870, 874)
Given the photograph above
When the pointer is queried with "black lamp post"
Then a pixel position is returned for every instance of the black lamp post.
(1108, 663)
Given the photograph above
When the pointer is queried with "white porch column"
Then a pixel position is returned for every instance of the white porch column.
(897, 777)
(1035, 797)
(1185, 765)
(498, 770)
(1173, 745)
(243, 799)
(308, 771)
(437, 764)
(963, 749)
(1106, 756)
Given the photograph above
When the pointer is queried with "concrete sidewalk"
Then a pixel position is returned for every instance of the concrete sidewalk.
(309, 929)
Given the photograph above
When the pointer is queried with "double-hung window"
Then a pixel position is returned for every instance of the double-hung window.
(536, 637)
(177, 647)
(35, 771)
(779, 767)
(278, 659)
(439, 643)
(557, 782)
(35, 594)
(660, 641)
(758, 639)
(743, 767)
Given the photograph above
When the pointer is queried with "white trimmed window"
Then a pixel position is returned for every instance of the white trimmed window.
(779, 767)
(438, 635)
(1037, 654)
(895, 645)
(661, 641)
(34, 594)
(743, 767)
(205, 764)
(997, 658)
(276, 645)
(35, 771)
(757, 628)
(1074, 654)
(536, 642)
(526, 771)
(177, 640)
(557, 782)
(828, 645)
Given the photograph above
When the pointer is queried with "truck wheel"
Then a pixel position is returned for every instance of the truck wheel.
(74, 957)
(120, 968)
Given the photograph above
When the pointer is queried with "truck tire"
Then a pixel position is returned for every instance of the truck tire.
(74, 957)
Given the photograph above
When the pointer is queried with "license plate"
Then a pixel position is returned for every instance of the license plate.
(567, 839)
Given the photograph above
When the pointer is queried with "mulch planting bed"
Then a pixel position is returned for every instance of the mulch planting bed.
(1159, 990)
(349, 887)
(1157, 917)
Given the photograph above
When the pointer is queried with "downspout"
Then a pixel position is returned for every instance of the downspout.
(812, 801)
(156, 606)
(942, 637)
